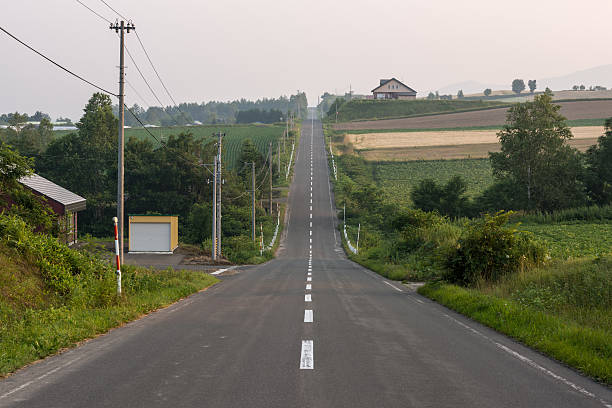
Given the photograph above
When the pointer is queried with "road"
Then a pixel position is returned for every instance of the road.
(308, 329)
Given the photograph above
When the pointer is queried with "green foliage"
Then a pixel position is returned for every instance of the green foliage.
(13, 166)
(335, 107)
(460, 93)
(488, 92)
(536, 159)
(518, 86)
(360, 109)
(449, 200)
(257, 115)
(532, 85)
(487, 251)
(598, 175)
(199, 224)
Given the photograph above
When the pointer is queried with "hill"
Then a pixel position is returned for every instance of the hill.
(363, 109)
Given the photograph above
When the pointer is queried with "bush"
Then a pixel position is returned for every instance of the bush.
(487, 250)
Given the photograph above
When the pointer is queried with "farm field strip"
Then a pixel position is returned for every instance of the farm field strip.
(444, 138)
(595, 109)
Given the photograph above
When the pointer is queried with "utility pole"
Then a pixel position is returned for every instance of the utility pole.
(219, 184)
(253, 202)
(214, 214)
(270, 163)
(121, 28)
(279, 164)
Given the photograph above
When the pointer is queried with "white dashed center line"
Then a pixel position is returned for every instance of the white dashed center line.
(308, 317)
(307, 355)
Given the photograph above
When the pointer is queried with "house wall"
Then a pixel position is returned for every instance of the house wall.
(393, 86)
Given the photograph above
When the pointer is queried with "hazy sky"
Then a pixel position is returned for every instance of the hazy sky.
(227, 49)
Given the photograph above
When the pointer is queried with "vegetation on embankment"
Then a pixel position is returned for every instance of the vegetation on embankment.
(369, 109)
(52, 297)
(563, 310)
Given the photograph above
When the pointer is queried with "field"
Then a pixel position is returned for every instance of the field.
(398, 179)
(361, 109)
(261, 135)
(579, 110)
(442, 144)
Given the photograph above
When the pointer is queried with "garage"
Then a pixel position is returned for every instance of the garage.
(153, 233)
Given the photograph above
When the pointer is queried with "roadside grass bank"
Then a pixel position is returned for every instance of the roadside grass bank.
(53, 297)
(563, 310)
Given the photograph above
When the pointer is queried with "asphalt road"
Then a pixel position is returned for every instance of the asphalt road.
(263, 338)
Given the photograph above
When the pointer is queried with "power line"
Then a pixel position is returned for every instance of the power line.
(93, 11)
(56, 64)
(144, 79)
(113, 10)
(138, 94)
(157, 73)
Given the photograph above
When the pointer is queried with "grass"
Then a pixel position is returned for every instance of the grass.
(261, 135)
(563, 310)
(397, 179)
(570, 240)
(364, 109)
(52, 297)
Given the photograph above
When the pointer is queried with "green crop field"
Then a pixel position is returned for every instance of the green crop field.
(384, 109)
(261, 135)
(398, 178)
(574, 239)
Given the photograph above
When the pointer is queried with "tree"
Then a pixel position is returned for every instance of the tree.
(598, 175)
(431, 96)
(582, 87)
(17, 120)
(487, 92)
(449, 200)
(460, 93)
(535, 157)
(575, 87)
(532, 85)
(518, 86)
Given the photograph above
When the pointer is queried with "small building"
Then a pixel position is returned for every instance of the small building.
(153, 233)
(393, 89)
(65, 204)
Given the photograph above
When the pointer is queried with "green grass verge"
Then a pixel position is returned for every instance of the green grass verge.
(588, 350)
(33, 334)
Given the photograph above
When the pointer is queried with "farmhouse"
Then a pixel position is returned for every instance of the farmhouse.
(393, 89)
(65, 204)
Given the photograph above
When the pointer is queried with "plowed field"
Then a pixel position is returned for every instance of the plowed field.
(492, 117)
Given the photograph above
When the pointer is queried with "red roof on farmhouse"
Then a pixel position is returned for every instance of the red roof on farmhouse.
(39, 184)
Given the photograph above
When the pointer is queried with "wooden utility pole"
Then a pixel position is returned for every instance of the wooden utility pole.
(270, 163)
(214, 213)
(253, 202)
(219, 184)
(278, 153)
(120, 28)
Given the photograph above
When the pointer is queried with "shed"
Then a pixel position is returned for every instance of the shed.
(153, 233)
(65, 204)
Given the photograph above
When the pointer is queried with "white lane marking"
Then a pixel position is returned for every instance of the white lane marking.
(308, 286)
(532, 363)
(311, 208)
(309, 279)
(308, 317)
(48, 373)
(420, 301)
(307, 355)
(311, 216)
(311, 201)
(307, 298)
(311, 233)
(309, 273)
(309, 269)
(223, 270)
(311, 240)
(310, 224)
(398, 289)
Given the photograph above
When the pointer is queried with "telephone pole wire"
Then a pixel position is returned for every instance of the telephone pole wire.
(121, 28)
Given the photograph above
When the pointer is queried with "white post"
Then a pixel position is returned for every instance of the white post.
(358, 231)
(116, 220)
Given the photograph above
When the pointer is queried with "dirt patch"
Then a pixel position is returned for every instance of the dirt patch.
(389, 140)
(491, 117)
(465, 151)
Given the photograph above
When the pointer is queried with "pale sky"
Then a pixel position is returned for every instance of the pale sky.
(223, 50)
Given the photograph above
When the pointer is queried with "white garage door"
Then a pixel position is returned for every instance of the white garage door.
(150, 237)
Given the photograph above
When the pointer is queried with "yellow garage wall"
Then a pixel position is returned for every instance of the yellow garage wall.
(163, 219)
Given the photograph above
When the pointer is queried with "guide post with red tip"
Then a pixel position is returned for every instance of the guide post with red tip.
(116, 220)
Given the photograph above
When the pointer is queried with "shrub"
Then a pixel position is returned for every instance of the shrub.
(487, 250)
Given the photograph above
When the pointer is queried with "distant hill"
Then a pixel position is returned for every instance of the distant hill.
(601, 75)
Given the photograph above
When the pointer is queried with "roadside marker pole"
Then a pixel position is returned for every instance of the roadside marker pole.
(115, 221)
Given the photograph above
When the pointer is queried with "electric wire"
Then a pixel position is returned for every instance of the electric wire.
(113, 10)
(93, 11)
(57, 64)
(144, 79)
